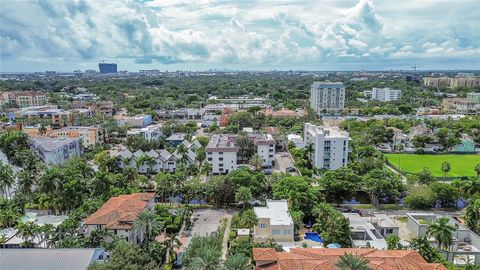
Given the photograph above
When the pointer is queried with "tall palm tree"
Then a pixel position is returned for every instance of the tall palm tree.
(182, 150)
(206, 259)
(443, 232)
(7, 179)
(148, 225)
(206, 168)
(171, 243)
(472, 215)
(352, 262)
(236, 262)
(256, 162)
(27, 231)
(26, 180)
(245, 145)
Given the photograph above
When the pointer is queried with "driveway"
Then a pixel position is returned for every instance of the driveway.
(283, 160)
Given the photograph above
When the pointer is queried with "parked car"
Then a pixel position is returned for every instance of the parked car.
(290, 169)
(178, 263)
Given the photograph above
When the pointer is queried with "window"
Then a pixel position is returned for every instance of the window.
(221, 159)
(287, 231)
(209, 159)
(220, 153)
(209, 153)
(220, 165)
(263, 225)
(276, 232)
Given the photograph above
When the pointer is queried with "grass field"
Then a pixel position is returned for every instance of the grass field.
(461, 165)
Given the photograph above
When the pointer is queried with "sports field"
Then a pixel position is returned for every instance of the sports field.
(461, 165)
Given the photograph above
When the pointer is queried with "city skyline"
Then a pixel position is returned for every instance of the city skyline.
(243, 35)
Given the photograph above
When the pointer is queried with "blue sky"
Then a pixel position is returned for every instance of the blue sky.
(256, 35)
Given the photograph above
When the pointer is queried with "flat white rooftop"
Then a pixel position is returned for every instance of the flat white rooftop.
(276, 211)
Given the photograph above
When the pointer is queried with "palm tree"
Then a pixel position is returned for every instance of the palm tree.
(256, 162)
(236, 262)
(206, 168)
(477, 169)
(182, 150)
(442, 231)
(7, 179)
(171, 243)
(245, 145)
(472, 215)
(309, 149)
(27, 231)
(206, 259)
(147, 224)
(26, 180)
(243, 195)
(352, 262)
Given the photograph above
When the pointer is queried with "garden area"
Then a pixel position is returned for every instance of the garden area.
(460, 165)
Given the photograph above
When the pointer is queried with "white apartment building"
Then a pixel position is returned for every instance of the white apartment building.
(274, 222)
(55, 151)
(327, 97)
(386, 94)
(296, 139)
(149, 133)
(265, 145)
(330, 145)
(221, 153)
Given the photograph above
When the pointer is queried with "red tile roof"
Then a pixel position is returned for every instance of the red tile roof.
(120, 212)
(326, 259)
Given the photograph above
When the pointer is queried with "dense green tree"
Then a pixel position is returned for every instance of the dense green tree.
(127, 256)
(147, 224)
(382, 184)
(243, 195)
(472, 215)
(332, 226)
(299, 193)
(237, 262)
(393, 242)
(445, 168)
(7, 179)
(340, 184)
(429, 253)
(420, 197)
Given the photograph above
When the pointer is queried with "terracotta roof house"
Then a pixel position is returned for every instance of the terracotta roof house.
(327, 258)
(118, 214)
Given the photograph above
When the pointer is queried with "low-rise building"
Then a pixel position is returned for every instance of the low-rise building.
(105, 108)
(274, 222)
(137, 121)
(91, 135)
(153, 161)
(118, 214)
(55, 151)
(149, 133)
(330, 146)
(24, 98)
(222, 151)
(460, 106)
(277, 136)
(52, 115)
(296, 139)
(51, 258)
(370, 231)
(466, 244)
(283, 113)
(385, 94)
(175, 139)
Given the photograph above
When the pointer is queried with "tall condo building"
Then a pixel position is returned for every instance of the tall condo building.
(327, 97)
(330, 146)
(386, 94)
(106, 68)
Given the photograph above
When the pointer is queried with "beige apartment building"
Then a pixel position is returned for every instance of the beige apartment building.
(24, 98)
(274, 222)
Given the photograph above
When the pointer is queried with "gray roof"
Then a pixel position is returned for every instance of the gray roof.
(50, 144)
(176, 137)
(49, 259)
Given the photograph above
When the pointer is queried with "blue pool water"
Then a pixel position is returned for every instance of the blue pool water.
(313, 236)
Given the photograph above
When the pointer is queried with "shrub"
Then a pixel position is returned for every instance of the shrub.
(420, 198)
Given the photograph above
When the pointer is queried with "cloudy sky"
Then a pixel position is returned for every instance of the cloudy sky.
(244, 34)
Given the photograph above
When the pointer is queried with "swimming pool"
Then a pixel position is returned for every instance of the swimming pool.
(313, 236)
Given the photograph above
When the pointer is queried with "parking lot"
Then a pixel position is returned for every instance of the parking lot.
(206, 221)
(283, 160)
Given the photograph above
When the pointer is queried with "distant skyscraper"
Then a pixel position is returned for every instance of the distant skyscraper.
(327, 97)
(106, 68)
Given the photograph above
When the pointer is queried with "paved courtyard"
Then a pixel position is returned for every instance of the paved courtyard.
(283, 160)
(206, 221)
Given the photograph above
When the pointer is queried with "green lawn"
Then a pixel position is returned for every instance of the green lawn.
(461, 165)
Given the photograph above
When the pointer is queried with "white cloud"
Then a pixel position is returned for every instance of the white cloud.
(243, 33)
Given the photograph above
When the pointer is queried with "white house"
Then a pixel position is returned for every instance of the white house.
(296, 139)
(330, 145)
(149, 133)
(274, 222)
(265, 146)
